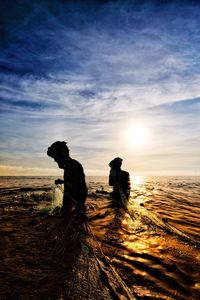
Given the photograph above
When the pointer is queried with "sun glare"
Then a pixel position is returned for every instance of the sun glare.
(137, 135)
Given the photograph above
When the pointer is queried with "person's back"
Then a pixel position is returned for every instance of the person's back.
(75, 185)
(124, 183)
(120, 180)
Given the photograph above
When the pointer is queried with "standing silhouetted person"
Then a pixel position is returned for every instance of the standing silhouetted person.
(75, 189)
(120, 180)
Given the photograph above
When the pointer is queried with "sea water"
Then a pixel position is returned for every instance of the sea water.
(154, 245)
(176, 199)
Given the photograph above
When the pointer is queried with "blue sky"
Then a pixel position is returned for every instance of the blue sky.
(88, 73)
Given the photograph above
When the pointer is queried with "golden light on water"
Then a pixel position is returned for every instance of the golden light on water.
(137, 186)
(137, 179)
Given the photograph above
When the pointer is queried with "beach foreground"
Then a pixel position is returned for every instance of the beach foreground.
(121, 254)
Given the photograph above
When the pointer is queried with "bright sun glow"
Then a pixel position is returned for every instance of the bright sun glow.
(137, 135)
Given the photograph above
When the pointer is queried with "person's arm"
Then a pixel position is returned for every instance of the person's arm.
(127, 184)
(112, 177)
(111, 180)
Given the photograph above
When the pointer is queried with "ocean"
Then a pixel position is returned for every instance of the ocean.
(154, 245)
(176, 199)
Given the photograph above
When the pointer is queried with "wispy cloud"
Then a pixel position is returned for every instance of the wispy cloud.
(82, 73)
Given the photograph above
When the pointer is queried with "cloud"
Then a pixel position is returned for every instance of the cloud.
(24, 171)
(82, 73)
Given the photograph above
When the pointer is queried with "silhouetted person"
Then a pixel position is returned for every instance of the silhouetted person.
(75, 189)
(120, 180)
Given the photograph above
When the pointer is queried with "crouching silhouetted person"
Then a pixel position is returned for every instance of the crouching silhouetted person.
(120, 180)
(75, 189)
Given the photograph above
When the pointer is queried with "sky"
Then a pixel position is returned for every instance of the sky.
(111, 78)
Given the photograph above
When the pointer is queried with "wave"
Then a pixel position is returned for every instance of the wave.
(9, 191)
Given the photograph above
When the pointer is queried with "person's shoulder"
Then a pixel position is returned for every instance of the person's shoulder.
(125, 173)
(76, 164)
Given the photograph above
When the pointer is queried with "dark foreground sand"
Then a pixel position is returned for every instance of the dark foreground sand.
(45, 256)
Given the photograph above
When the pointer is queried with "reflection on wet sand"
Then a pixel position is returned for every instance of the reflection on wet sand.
(144, 252)
(152, 262)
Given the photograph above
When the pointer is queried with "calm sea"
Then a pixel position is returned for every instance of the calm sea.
(176, 200)
(154, 245)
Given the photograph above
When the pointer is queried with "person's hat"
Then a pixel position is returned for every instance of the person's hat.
(116, 162)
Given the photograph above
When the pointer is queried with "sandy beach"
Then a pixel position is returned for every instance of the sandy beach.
(118, 256)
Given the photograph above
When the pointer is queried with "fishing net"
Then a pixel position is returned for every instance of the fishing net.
(56, 196)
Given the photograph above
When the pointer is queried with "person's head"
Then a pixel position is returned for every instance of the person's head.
(116, 163)
(60, 152)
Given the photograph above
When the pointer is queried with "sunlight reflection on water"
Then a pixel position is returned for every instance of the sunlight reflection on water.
(137, 180)
(150, 258)
(152, 261)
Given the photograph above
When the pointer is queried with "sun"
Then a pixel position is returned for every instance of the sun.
(137, 134)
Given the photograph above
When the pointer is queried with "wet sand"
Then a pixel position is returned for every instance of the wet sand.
(120, 255)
